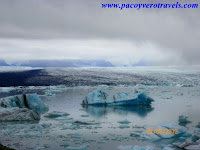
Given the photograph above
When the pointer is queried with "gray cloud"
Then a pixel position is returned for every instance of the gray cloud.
(173, 33)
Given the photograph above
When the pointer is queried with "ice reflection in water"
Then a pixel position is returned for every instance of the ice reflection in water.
(102, 111)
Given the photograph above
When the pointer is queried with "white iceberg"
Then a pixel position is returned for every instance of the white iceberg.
(18, 114)
(106, 97)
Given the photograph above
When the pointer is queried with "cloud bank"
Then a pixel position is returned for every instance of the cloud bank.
(75, 29)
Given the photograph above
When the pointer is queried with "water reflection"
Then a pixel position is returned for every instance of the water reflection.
(100, 111)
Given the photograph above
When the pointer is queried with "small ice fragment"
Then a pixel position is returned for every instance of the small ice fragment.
(198, 125)
(71, 127)
(183, 145)
(135, 147)
(193, 147)
(84, 115)
(167, 148)
(84, 147)
(56, 114)
(124, 126)
(133, 134)
(124, 121)
(85, 122)
(183, 119)
(46, 125)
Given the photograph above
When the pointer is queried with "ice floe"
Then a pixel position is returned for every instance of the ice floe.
(124, 122)
(167, 148)
(84, 147)
(106, 97)
(18, 114)
(136, 147)
(56, 114)
(183, 119)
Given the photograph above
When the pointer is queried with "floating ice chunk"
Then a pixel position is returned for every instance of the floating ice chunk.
(181, 132)
(85, 122)
(46, 125)
(84, 147)
(182, 145)
(183, 119)
(71, 127)
(196, 135)
(84, 115)
(18, 114)
(124, 121)
(193, 147)
(102, 97)
(39, 148)
(134, 133)
(142, 148)
(135, 147)
(56, 114)
(30, 101)
(124, 147)
(124, 126)
(198, 126)
(167, 148)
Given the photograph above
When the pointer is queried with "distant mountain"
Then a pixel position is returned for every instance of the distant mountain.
(61, 63)
(3, 63)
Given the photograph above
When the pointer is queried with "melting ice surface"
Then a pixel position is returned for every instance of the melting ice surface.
(69, 125)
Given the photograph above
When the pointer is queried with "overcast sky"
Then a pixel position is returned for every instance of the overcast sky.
(81, 29)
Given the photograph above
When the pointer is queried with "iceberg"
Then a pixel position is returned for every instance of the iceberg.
(30, 101)
(18, 114)
(102, 97)
(22, 108)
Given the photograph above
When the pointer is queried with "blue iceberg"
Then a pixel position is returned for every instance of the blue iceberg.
(29, 101)
(103, 97)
